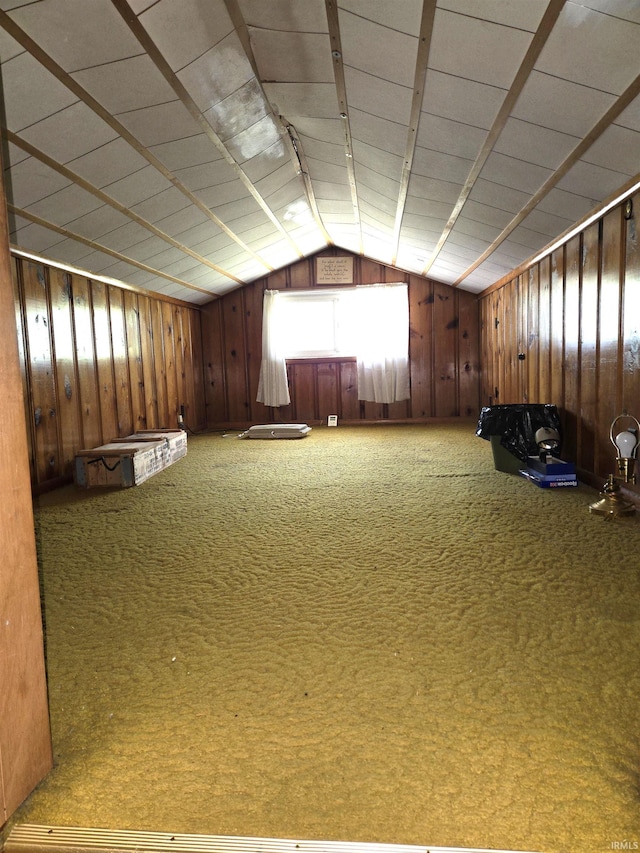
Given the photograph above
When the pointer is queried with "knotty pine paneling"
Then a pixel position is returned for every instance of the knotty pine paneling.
(581, 308)
(99, 362)
(443, 355)
(25, 742)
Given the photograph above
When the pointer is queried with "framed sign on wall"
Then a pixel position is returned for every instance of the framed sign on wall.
(334, 270)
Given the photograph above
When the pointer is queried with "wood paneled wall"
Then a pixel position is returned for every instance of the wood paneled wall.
(444, 335)
(566, 330)
(25, 741)
(99, 362)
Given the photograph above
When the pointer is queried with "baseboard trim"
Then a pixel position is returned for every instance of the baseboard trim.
(32, 838)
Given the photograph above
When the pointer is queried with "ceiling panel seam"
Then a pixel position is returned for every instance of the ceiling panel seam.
(632, 91)
(291, 138)
(422, 61)
(538, 42)
(107, 199)
(67, 80)
(92, 244)
(341, 92)
(167, 72)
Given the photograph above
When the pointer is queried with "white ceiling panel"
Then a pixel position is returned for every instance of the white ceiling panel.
(586, 178)
(122, 238)
(159, 123)
(65, 205)
(404, 17)
(98, 223)
(561, 105)
(499, 196)
(327, 130)
(291, 56)
(315, 100)
(129, 84)
(325, 160)
(386, 135)
(309, 16)
(160, 208)
(138, 187)
(380, 51)
(467, 46)
(512, 13)
(107, 164)
(240, 132)
(186, 29)
(202, 77)
(436, 133)
(31, 93)
(465, 101)
(432, 189)
(381, 98)
(370, 182)
(447, 166)
(587, 46)
(548, 224)
(630, 117)
(9, 47)
(378, 160)
(188, 151)
(566, 205)
(327, 172)
(32, 180)
(186, 221)
(68, 252)
(514, 173)
(262, 139)
(239, 110)
(616, 145)
(534, 144)
(70, 133)
(485, 213)
(100, 34)
(41, 238)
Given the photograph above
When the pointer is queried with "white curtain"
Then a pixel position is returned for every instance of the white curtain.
(273, 388)
(383, 343)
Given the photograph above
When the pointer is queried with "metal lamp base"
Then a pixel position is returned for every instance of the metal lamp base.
(611, 502)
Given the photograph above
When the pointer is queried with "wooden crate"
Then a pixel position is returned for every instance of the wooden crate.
(121, 463)
(176, 440)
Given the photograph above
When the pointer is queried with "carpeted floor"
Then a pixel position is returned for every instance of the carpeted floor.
(368, 634)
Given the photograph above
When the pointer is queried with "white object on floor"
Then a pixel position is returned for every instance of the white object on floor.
(276, 431)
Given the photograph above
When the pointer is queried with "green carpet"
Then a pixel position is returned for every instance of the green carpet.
(368, 634)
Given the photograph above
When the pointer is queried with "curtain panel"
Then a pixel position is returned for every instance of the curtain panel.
(383, 343)
(273, 387)
(379, 318)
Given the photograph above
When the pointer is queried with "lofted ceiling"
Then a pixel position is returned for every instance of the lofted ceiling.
(190, 146)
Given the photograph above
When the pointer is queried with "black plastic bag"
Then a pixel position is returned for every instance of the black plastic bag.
(517, 424)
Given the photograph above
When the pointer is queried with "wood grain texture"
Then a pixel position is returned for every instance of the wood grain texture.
(25, 741)
(581, 306)
(443, 354)
(99, 362)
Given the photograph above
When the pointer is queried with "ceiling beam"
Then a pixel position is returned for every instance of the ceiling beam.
(630, 93)
(67, 80)
(152, 50)
(526, 67)
(290, 136)
(343, 109)
(422, 61)
(55, 166)
(98, 247)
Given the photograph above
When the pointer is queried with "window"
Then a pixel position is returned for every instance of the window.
(369, 322)
(318, 323)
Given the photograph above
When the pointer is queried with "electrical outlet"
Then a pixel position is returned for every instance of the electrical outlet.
(332, 420)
